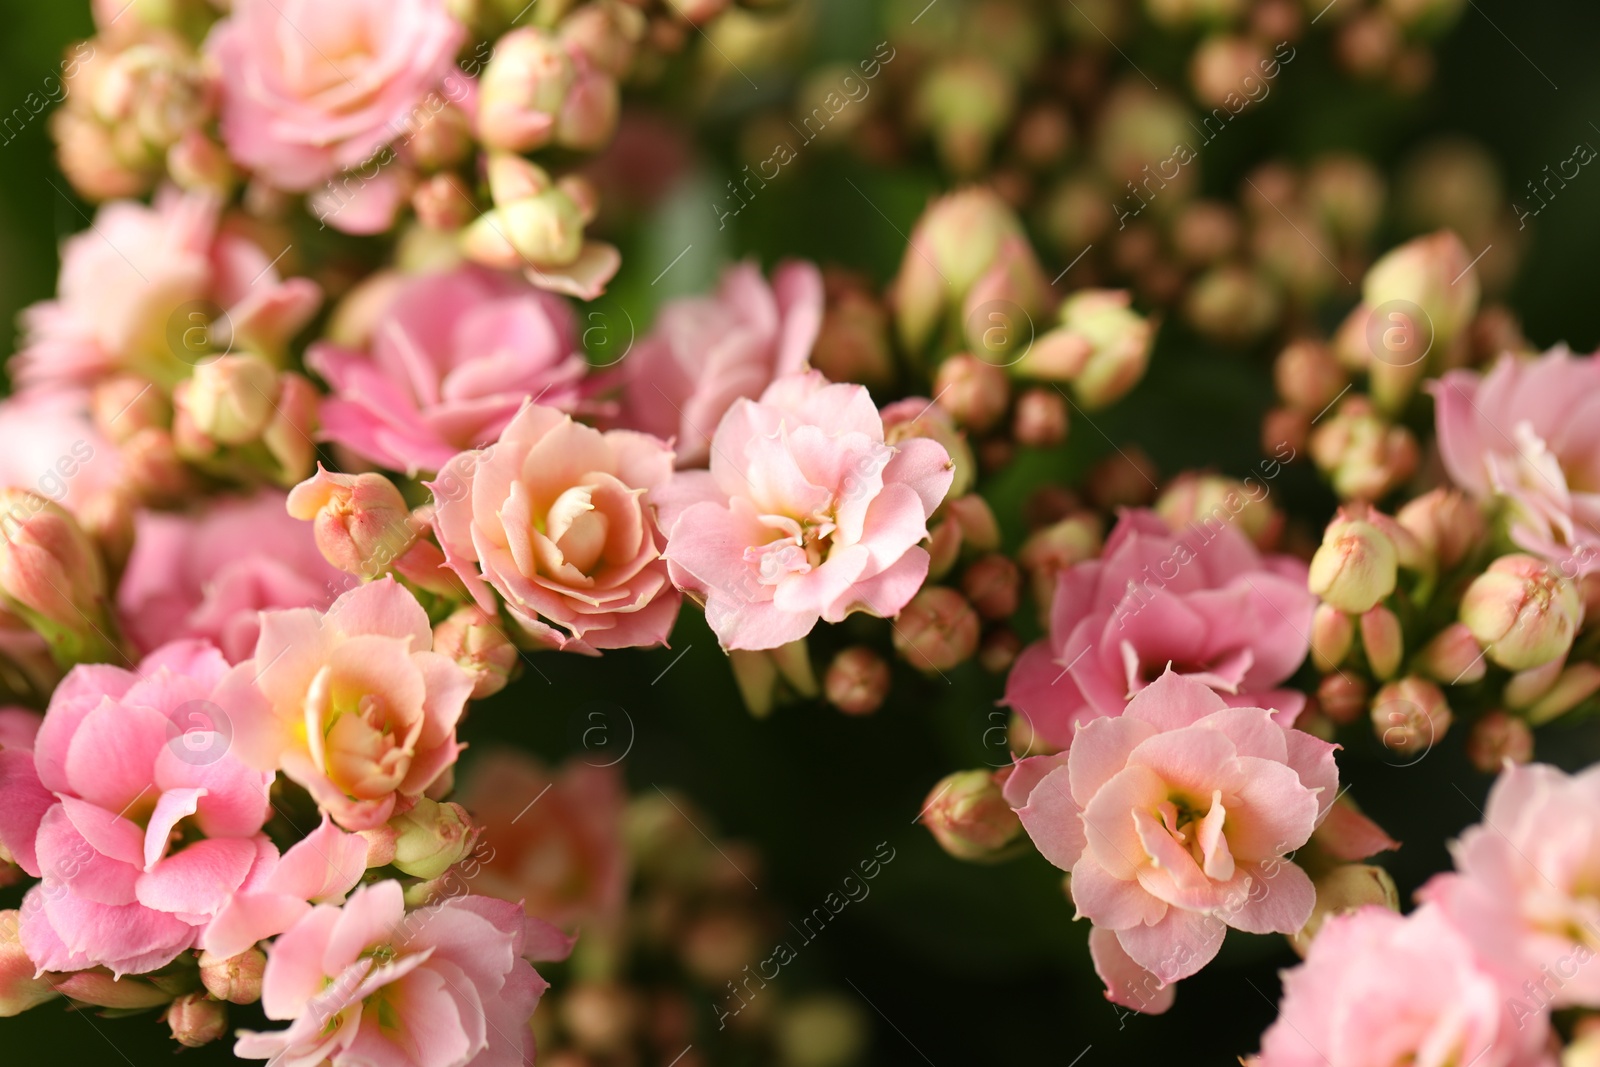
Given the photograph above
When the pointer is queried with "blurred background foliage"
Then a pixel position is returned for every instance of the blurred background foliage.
(955, 963)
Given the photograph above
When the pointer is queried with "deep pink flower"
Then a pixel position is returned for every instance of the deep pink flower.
(706, 352)
(1175, 819)
(1202, 600)
(140, 288)
(1378, 989)
(448, 985)
(555, 517)
(806, 514)
(1527, 887)
(133, 810)
(209, 574)
(352, 704)
(311, 88)
(1529, 432)
(453, 358)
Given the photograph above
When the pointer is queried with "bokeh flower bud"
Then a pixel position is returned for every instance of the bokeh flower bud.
(919, 417)
(958, 239)
(973, 391)
(1453, 656)
(1382, 641)
(1342, 697)
(1211, 501)
(1344, 889)
(230, 398)
(19, 988)
(1572, 687)
(1117, 340)
(1332, 634)
(853, 343)
(857, 681)
(522, 90)
(1446, 522)
(1354, 568)
(360, 521)
(50, 569)
(288, 435)
(431, 838)
(1364, 455)
(1050, 550)
(1433, 274)
(1522, 611)
(588, 116)
(1410, 716)
(991, 583)
(196, 1020)
(1040, 420)
(235, 979)
(980, 531)
(477, 643)
(123, 405)
(1497, 737)
(1308, 377)
(937, 630)
(969, 817)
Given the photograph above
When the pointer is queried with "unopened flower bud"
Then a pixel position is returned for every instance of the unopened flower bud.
(1308, 377)
(479, 646)
(937, 630)
(853, 343)
(991, 583)
(19, 988)
(125, 404)
(601, 1016)
(1342, 697)
(1114, 342)
(1526, 687)
(857, 681)
(1211, 501)
(1232, 304)
(1049, 551)
(196, 1020)
(967, 102)
(442, 204)
(235, 979)
(522, 90)
(1522, 611)
(588, 116)
(360, 521)
(1432, 274)
(153, 469)
(980, 531)
(1447, 524)
(1410, 716)
(432, 837)
(380, 845)
(1040, 420)
(955, 242)
(1453, 657)
(198, 163)
(1382, 641)
(969, 817)
(1332, 634)
(1355, 568)
(999, 650)
(606, 34)
(1497, 737)
(1285, 427)
(542, 230)
(1124, 480)
(919, 417)
(1363, 454)
(230, 398)
(1572, 687)
(973, 391)
(288, 434)
(944, 548)
(822, 1030)
(1344, 889)
(50, 570)
(99, 988)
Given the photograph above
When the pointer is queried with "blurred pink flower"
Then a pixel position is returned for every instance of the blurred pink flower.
(1379, 989)
(453, 358)
(556, 517)
(706, 352)
(1203, 601)
(208, 573)
(445, 986)
(1524, 893)
(1529, 432)
(49, 446)
(133, 810)
(1175, 819)
(352, 704)
(310, 89)
(563, 857)
(806, 514)
(139, 290)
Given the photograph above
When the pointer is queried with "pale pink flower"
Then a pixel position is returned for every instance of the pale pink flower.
(445, 986)
(1527, 887)
(563, 857)
(1528, 432)
(139, 291)
(352, 704)
(1202, 600)
(556, 517)
(1378, 989)
(310, 89)
(133, 810)
(1175, 819)
(706, 352)
(49, 446)
(210, 573)
(806, 514)
(453, 358)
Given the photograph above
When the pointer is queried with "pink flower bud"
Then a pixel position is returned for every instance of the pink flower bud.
(124, 405)
(19, 989)
(1308, 377)
(955, 242)
(1576, 684)
(1342, 698)
(477, 644)
(853, 344)
(431, 838)
(99, 988)
(1497, 737)
(602, 1017)
(288, 436)
(768, 677)
(1527, 687)
(1211, 501)
(608, 35)
(196, 1020)
(1382, 641)
(1363, 454)
(1233, 304)
(1447, 524)
(522, 90)
(1522, 611)
(230, 398)
(1040, 420)
(1453, 657)
(1049, 551)
(1344, 889)
(919, 417)
(1410, 716)
(937, 630)
(1432, 275)
(153, 469)
(1126, 479)
(1355, 568)
(235, 979)
(969, 817)
(360, 521)
(944, 548)
(542, 231)
(588, 116)
(1332, 634)
(442, 204)
(980, 531)
(974, 392)
(857, 681)
(49, 569)
(991, 583)
(1119, 341)
(380, 845)
(1284, 426)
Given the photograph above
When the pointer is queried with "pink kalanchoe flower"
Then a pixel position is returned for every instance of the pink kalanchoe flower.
(1524, 890)
(352, 704)
(210, 573)
(1529, 432)
(445, 986)
(1379, 989)
(564, 857)
(806, 514)
(1175, 819)
(49, 446)
(1202, 600)
(133, 810)
(139, 291)
(707, 352)
(556, 517)
(453, 358)
(311, 89)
